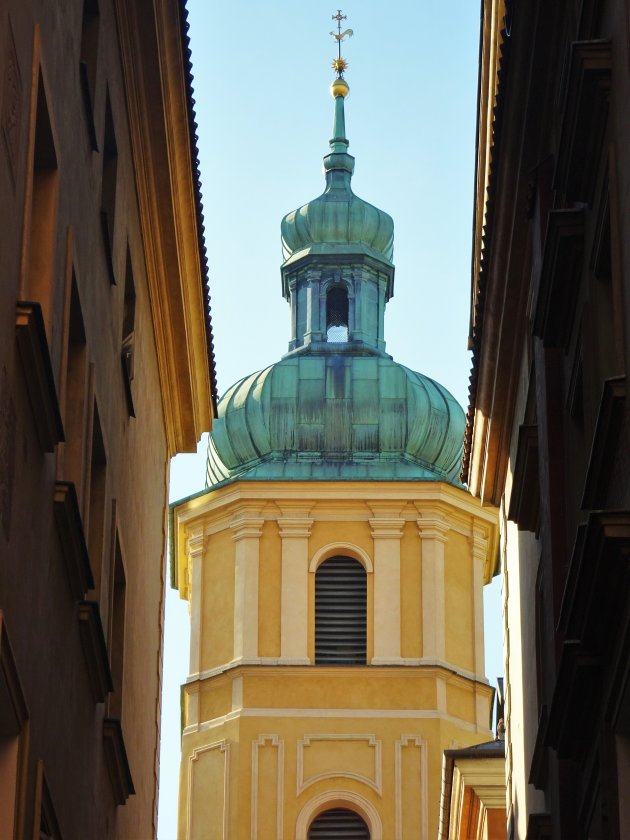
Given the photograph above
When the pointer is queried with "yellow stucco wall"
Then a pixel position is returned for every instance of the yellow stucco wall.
(273, 739)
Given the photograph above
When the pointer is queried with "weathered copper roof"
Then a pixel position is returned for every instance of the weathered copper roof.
(338, 220)
(336, 416)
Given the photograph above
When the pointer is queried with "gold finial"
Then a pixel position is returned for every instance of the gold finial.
(340, 65)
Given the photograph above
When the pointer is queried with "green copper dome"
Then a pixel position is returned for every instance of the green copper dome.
(336, 416)
(336, 406)
(338, 221)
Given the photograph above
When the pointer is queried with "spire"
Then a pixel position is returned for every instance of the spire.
(338, 164)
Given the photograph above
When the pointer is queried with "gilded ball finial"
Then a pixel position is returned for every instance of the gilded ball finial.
(339, 87)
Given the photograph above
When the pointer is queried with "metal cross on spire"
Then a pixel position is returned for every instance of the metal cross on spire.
(340, 64)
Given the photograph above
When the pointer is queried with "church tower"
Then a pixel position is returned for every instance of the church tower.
(334, 565)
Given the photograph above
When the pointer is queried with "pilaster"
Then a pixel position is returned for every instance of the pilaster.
(295, 528)
(433, 532)
(195, 545)
(479, 551)
(314, 330)
(246, 532)
(387, 529)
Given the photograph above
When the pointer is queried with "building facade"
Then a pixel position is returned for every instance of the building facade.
(106, 371)
(334, 566)
(547, 434)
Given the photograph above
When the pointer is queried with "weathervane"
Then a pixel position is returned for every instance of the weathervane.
(340, 64)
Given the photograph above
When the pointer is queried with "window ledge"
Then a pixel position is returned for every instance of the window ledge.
(607, 429)
(72, 538)
(95, 649)
(40, 382)
(524, 499)
(560, 277)
(584, 120)
(116, 760)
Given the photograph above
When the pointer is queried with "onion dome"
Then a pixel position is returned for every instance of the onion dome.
(336, 416)
(336, 406)
(338, 220)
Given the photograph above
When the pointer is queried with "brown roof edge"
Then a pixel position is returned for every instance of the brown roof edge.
(489, 749)
(194, 163)
(474, 218)
(477, 329)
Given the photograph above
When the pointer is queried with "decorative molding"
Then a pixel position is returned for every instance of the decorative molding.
(278, 743)
(339, 799)
(479, 544)
(38, 374)
(387, 529)
(72, 538)
(329, 714)
(247, 522)
(224, 747)
(386, 521)
(411, 741)
(341, 548)
(433, 528)
(428, 663)
(387, 660)
(308, 740)
(95, 649)
(295, 528)
(116, 760)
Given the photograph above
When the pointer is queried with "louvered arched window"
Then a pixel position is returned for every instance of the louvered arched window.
(340, 612)
(340, 824)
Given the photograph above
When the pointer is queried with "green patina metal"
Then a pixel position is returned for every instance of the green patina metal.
(338, 217)
(329, 409)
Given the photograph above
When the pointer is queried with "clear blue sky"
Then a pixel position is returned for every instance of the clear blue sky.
(262, 75)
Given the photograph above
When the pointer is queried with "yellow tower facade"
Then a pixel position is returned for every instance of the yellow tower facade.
(334, 566)
(271, 739)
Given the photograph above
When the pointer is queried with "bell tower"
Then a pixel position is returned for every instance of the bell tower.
(334, 565)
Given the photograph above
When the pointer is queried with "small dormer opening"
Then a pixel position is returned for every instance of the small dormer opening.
(337, 315)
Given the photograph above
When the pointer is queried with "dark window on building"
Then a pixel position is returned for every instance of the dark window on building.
(108, 187)
(42, 234)
(338, 824)
(337, 315)
(340, 612)
(116, 634)
(44, 810)
(97, 500)
(75, 391)
(128, 333)
(87, 62)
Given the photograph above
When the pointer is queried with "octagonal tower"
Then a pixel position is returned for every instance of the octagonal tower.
(334, 565)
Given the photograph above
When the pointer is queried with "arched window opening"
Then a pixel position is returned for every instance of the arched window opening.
(340, 612)
(340, 824)
(337, 315)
